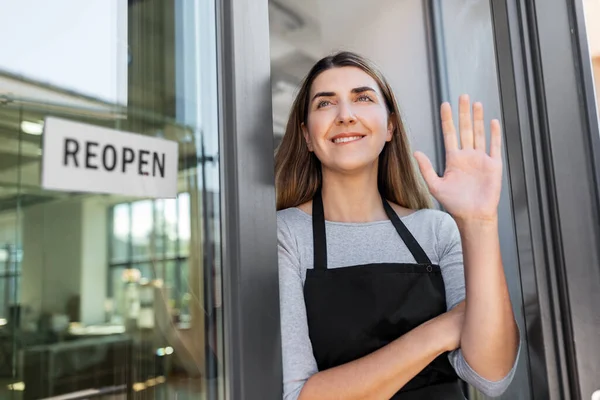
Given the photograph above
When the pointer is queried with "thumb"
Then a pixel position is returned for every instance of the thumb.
(429, 174)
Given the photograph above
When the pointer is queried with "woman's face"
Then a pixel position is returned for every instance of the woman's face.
(348, 122)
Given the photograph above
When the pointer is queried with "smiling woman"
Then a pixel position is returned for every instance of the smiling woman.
(361, 109)
(372, 280)
(334, 97)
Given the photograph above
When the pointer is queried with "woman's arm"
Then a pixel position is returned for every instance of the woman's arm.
(451, 262)
(382, 373)
(490, 339)
(470, 191)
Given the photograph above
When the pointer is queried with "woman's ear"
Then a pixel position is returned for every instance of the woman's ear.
(390, 130)
(306, 137)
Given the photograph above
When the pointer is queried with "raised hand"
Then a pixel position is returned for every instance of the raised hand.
(471, 184)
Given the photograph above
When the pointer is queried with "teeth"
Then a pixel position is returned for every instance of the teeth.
(346, 139)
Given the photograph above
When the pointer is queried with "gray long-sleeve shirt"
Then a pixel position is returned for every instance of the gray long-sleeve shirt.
(355, 244)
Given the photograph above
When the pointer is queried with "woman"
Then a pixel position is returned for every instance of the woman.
(372, 282)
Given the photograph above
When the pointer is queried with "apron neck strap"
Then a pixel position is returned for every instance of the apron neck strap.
(413, 246)
(320, 239)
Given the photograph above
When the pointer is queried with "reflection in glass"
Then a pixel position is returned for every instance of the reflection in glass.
(104, 292)
(121, 230)
(183, 223)
(171, 228)
(157, 222)
(142, 222)
(159, 227)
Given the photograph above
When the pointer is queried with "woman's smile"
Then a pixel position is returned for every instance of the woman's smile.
(344, 138)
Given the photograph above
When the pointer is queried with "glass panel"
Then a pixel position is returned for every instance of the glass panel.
(103, 292)
(121, 233)
(4, 281)
(468, 65)
(183, 224)
(142, 223)
(159, 228)
(171, 227)
(172, 283)
(115, 299)
(183, 294)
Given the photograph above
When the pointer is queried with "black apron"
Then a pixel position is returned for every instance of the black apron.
(353, 311)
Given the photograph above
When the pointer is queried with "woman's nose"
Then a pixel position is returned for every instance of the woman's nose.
(345, 115)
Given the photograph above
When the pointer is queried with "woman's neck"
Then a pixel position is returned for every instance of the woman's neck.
(352, 198)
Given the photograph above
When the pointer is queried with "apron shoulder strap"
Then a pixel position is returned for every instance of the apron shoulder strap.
(319, 238)
(413, 246)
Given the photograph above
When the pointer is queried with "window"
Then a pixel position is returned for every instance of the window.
(10, 276)
(150, 242)
(129, 278)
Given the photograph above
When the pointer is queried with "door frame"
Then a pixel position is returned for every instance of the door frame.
(553, 145)
(252, 340)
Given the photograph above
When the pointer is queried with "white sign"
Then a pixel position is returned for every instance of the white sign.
(79, 157)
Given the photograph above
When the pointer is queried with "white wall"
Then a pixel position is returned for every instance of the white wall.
(65, 255)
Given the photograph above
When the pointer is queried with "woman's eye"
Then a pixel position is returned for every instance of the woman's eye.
(323, 103)
(364, 97)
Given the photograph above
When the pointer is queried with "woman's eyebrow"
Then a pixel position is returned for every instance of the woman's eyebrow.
(360, 89)
(363, 89)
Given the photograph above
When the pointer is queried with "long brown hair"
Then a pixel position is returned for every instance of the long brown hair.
(298, 171)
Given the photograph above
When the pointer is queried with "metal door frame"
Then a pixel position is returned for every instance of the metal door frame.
(252, 340)
(553, 145)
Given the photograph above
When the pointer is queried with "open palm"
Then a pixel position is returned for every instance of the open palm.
(471, 184)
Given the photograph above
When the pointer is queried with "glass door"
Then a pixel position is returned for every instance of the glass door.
(109, 293)
(431, 51)
(462, 35)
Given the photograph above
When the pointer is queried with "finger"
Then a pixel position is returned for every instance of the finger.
(429, 174)
(496, 140)
(464, 122)
(448, 129)
(478, 127)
